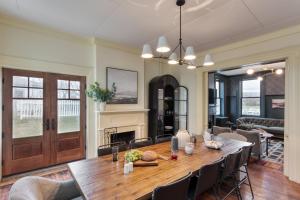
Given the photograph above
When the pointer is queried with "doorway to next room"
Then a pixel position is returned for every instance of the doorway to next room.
(249, 100)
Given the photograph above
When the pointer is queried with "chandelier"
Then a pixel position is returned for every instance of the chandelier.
(163, 50)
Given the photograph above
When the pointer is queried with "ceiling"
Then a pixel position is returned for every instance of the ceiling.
(257, 68)
(206, 23)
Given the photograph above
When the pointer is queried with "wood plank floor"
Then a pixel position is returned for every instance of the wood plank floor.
(267, 180)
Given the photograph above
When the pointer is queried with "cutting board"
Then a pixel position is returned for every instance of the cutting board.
(141, 163)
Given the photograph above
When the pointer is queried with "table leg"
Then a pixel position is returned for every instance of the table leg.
(267, 147)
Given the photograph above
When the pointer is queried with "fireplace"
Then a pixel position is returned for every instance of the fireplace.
(122, 137)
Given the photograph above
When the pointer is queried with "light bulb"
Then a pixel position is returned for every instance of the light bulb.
(250, 71)
(279, 71)
(260, 78)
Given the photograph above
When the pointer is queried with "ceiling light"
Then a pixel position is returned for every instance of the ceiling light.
(250, 71)
(147, 51)
(173, 59)
(260, 78)
(185, 55)
(279, 71)
(189, 54)
(208, 60)
(162, 45)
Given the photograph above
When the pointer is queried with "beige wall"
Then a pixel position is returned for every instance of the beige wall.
(31, 48)
(278, 45)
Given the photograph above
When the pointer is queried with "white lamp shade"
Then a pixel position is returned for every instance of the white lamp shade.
(147, 51)
(191, 65)
(162, 45)
(208, 61)
(189, 54)
(173, 59)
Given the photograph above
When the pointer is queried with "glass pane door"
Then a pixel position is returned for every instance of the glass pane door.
(68, 106)
(181, 108)
(68, 120)
(26, 142)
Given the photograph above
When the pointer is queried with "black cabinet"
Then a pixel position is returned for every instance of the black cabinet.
(168, 103)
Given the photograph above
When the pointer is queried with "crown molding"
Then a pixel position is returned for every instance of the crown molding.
(252, 41)
(118, 46)
(36, 28)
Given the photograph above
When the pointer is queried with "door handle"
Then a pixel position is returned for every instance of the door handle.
(53, 124)
(47, 124)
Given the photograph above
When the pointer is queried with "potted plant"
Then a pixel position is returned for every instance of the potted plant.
(100, 95)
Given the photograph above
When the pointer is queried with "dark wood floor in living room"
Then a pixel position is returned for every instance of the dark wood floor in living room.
(267, 180)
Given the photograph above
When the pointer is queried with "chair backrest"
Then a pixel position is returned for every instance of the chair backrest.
(246, 154)
(216, 130)
(231, 163)
(107, 148)
(177, 190)
(141, 142)
(208, 177)
(233, 136)
(35, 188)
(253, 137)
(163, 138)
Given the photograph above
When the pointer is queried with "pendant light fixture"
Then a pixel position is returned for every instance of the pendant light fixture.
(186, 55)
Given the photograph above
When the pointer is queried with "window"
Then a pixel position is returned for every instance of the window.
(219, 97)
(251, 97)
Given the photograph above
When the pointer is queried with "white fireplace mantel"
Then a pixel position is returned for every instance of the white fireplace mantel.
(124, 120)
(122, 111)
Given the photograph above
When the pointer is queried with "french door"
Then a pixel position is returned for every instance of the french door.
(43, 119)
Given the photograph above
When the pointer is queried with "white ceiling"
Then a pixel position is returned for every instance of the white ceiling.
(257, 68)
(206, 23)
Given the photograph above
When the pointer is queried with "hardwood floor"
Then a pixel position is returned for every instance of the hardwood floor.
(267, 180)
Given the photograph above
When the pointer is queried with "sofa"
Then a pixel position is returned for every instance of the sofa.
(273, 126)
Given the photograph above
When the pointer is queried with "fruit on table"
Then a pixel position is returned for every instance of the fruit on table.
(149, 156)
(133, 155)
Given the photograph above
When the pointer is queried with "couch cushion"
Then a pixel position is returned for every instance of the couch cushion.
(259, 126)
(275, 130)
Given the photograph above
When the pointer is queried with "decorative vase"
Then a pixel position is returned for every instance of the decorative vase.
(101, 106)
(183, 138)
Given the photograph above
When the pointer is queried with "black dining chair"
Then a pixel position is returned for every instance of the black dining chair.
(243, 167)
(177, 190)
(207, 178)
(163, 138)
(107, 148)
(230, 171)
(141, 142)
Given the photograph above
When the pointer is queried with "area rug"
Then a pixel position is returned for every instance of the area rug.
(275, 152)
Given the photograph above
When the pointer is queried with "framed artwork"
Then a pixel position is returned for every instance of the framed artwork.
(277, 103)
(126, 83)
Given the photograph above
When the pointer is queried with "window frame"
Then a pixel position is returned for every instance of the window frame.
(220, 97)
(242, 97)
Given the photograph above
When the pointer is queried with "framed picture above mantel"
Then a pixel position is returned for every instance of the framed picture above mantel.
(126, 83)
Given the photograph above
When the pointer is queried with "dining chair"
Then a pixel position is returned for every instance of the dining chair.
(216, 130)
(177, 190)
(207, 178)
(230, 172)
(233, 136)
(243, 166)
(107, 148)
(141, 142)
(163, 138)
(254, 137)
(35, 188)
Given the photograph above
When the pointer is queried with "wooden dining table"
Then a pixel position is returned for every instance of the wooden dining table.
(101, 178)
